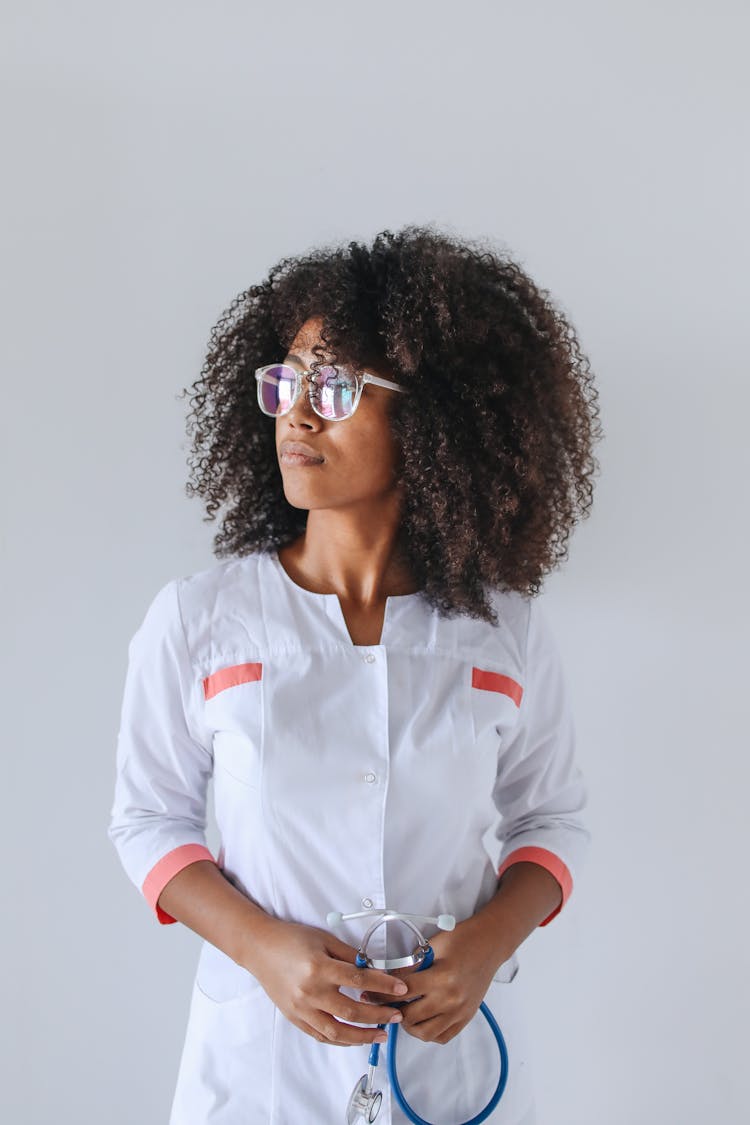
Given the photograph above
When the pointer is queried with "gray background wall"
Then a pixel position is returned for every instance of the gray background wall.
(160, 157)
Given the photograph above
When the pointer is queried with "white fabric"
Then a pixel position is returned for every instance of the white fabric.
(345, 775)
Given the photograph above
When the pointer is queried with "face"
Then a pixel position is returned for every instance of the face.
(357, 454)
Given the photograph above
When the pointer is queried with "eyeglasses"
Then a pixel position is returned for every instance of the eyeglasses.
(334, 392)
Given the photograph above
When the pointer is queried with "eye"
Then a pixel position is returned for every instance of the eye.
(335, 377)
(336, 391)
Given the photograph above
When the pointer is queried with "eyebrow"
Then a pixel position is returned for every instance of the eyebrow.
(300, 360)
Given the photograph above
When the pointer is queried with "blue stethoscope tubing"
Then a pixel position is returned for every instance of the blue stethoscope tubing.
(392, 1029)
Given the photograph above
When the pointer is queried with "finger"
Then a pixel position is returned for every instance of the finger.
(432, 1030)
(350, 976)
(451, 1032)
(408, 997)
(303, 1025)
(422, 1008)
(411, 978)
(326, 1029)
(355, 1012)
(379, 998)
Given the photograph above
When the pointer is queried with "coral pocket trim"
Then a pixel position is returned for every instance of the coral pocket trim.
(495, 681)
(231, 676)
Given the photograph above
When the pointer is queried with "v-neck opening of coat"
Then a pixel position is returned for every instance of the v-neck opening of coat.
(332, 604)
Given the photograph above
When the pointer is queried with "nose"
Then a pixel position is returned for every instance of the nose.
(301, 409)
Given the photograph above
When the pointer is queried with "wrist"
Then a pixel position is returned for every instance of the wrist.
(258, 934)
(489, 940)
(525, 896)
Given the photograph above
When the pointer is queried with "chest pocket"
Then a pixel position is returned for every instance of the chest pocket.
(234, 712)
(495, 702)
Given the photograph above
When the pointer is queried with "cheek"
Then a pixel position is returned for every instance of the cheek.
(370, 450)
(370, 471)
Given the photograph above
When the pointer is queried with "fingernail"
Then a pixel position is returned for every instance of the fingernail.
(381, 1037)
(402, 987)
(396, 1018)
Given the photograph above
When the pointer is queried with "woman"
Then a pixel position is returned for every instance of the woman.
(402, 436)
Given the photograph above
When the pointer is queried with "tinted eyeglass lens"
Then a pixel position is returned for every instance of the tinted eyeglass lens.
(277, 389)
(336, 392)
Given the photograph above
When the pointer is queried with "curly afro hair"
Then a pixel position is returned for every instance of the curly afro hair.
(494, 442)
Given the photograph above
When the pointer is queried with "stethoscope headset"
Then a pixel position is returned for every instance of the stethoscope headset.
(365, 1101)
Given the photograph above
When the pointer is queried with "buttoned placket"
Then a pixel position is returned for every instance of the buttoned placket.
(374, 779)
(374, 768)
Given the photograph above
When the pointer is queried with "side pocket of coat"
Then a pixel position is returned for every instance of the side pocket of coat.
(221, 979)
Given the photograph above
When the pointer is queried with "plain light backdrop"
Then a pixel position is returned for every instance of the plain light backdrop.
(157, 159)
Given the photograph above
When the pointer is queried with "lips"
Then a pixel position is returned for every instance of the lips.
(299, 459)
(299, 453)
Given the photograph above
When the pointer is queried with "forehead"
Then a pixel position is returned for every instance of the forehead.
(308, 335)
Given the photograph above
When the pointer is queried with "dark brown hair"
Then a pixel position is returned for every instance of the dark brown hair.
(495, 440)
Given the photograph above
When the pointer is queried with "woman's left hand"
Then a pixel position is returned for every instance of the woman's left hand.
(442, 999)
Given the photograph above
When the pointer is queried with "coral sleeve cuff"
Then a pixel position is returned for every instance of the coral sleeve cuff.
(166, 868)
(551, 862)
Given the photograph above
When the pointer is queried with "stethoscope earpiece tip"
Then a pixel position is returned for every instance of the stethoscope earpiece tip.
(333, 918)
(446, 922)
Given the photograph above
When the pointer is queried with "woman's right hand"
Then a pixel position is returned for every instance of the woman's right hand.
(302, 968)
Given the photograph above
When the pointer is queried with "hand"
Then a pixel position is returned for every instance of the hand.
(442, 999)
(302, 968)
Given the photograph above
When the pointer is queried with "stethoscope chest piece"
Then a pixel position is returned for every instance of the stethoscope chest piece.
(364, 1104)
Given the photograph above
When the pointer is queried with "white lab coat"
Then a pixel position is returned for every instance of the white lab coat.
(344, 776)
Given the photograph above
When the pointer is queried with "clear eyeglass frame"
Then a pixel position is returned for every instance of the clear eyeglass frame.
(360, 377)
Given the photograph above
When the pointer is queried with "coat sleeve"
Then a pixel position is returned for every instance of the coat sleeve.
(539, 790)
(163, 762)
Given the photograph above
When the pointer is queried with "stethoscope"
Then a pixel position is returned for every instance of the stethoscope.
(365, 1101)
